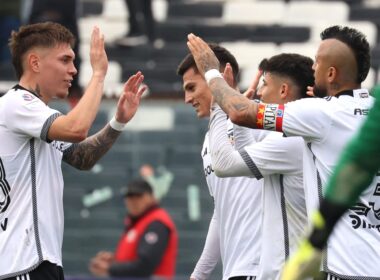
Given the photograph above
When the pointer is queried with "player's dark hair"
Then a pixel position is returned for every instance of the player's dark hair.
(46, 34)
(223, 55)
(357, 42)
(296, 67)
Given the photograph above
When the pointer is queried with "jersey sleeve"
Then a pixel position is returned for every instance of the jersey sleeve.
(210, 254)
(27, 114)
(274, 155)
(306, 118)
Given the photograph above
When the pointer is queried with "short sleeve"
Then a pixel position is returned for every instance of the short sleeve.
(308, 118)
(27, 114)
(275, 154)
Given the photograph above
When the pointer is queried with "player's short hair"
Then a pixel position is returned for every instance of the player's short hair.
(357, 42)
(223, 55)
(46, 34)
(296, 67)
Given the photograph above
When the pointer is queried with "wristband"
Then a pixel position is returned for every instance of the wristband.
(117, 125)
(211, 74)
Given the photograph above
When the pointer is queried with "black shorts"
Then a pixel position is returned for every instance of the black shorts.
(242, 278)
(45, 271)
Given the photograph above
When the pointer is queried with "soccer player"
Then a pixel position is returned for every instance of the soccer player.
(277, 159)
(354, 173)
(342, 62)
(234, 230)
(35, 139)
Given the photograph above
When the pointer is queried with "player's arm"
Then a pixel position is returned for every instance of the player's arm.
(74, 126)
(353, 174)
(85, 154)
(210, 254)
(240, 110)
(226, 161)
(150, 251)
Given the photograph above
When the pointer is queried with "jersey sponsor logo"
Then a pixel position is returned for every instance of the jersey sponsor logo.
(208, 170)
(204, 152)
(3, 224)
(361, 112)
(151, 238)
(362, 214)
(5, 189)
(58, 145)
(270, 117)
(28, 96)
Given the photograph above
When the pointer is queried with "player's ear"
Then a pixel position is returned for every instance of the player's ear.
(284, 90)
(33, 61)
(331, 74)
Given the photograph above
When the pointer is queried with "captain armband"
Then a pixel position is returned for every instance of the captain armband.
(270, 117)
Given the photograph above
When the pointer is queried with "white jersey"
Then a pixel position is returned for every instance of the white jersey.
(326, 126)
(236, 220)
(279, 160)
(31, 210)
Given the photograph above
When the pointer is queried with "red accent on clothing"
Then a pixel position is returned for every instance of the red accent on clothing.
(280, 117)
(260, 116)
(127, 247)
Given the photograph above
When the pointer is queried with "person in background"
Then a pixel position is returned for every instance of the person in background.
(148, 246)
(141, 24)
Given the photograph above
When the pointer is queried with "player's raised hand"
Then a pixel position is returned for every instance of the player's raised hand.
(250, 92)
(129, 100)
(203, 55)
(98, 56)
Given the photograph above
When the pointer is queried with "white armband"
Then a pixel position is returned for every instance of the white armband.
(211, 74)
(117, 125)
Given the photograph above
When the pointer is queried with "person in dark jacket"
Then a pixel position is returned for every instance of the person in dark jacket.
(148, 246)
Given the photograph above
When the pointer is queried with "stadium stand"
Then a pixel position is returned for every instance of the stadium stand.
(251, 29)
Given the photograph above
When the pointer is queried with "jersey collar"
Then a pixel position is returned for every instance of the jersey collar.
(357, 93)
(16, 87)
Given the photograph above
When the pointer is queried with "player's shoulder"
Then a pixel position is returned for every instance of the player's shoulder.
(18, 95)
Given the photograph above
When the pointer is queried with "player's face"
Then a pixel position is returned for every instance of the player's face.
(320, 68)
(197, 93)
(270, 89)
(136, 204)
(56, 71)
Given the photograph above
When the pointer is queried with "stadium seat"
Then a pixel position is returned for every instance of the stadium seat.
(308, 12)
(254, 12)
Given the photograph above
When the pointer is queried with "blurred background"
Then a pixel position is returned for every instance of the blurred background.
(165, 133)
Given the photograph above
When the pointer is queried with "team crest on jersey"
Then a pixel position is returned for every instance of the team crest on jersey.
(151, 238)
(28, 96)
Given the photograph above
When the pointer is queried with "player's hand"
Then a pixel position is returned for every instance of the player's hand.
(304, 263)
(129, 100)
(252, 89)
(310, 91)
(98, 56)
(203, 55)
